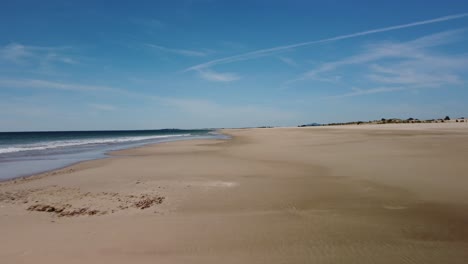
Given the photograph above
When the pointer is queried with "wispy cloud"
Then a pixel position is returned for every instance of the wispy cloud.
(217, 76)
(150, 23)
(44, 84)
(413, 50)
(183, 52)
(408, 73)
(358, 91)
(210, 112)
(74, 87)
(103, 107)
(23, 54)
(395, 66)
(195, 112)
(14, 52)
(288, 61)
(269, 51)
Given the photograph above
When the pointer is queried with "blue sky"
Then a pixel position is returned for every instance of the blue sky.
(79, 65)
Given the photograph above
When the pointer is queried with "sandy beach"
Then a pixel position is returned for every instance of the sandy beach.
(348, 194)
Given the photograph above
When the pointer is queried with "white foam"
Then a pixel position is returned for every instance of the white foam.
(81, 142)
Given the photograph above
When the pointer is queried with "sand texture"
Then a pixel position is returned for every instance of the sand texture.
(350, 194)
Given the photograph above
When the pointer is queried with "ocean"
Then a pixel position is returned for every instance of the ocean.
(28, 153)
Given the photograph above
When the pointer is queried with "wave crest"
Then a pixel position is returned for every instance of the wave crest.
(81, 142)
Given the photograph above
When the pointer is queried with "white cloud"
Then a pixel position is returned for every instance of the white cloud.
(103, 107)
(196, 112)
(269, 51)
(410, 50)
(217, 76)
(14, 53)
(36, 111)
(150, 23)
(207, 113)
(410, 73)
(288, 61)
(183, 52)
(394, 66)
(428, 70)
(44, 84)
(35, 55)
(358, 91)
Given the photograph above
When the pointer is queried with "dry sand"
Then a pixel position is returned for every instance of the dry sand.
(363, 194)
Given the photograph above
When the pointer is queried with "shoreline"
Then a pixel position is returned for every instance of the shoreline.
(105, 155)
(230, 136)
(296, 195)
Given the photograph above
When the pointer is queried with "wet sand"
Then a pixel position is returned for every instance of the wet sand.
(350, 194)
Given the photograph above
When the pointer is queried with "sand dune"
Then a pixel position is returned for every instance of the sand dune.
(353, 194)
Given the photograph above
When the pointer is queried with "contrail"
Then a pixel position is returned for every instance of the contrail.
(265, 52)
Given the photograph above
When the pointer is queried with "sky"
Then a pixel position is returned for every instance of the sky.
(99, 65)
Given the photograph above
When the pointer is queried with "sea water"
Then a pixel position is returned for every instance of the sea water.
(27, 153)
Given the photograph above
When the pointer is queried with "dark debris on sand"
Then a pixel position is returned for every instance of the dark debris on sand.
(147, 201)
(63, 211)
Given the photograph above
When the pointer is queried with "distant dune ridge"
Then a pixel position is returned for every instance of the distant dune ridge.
(410, 120)
(393, 193)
